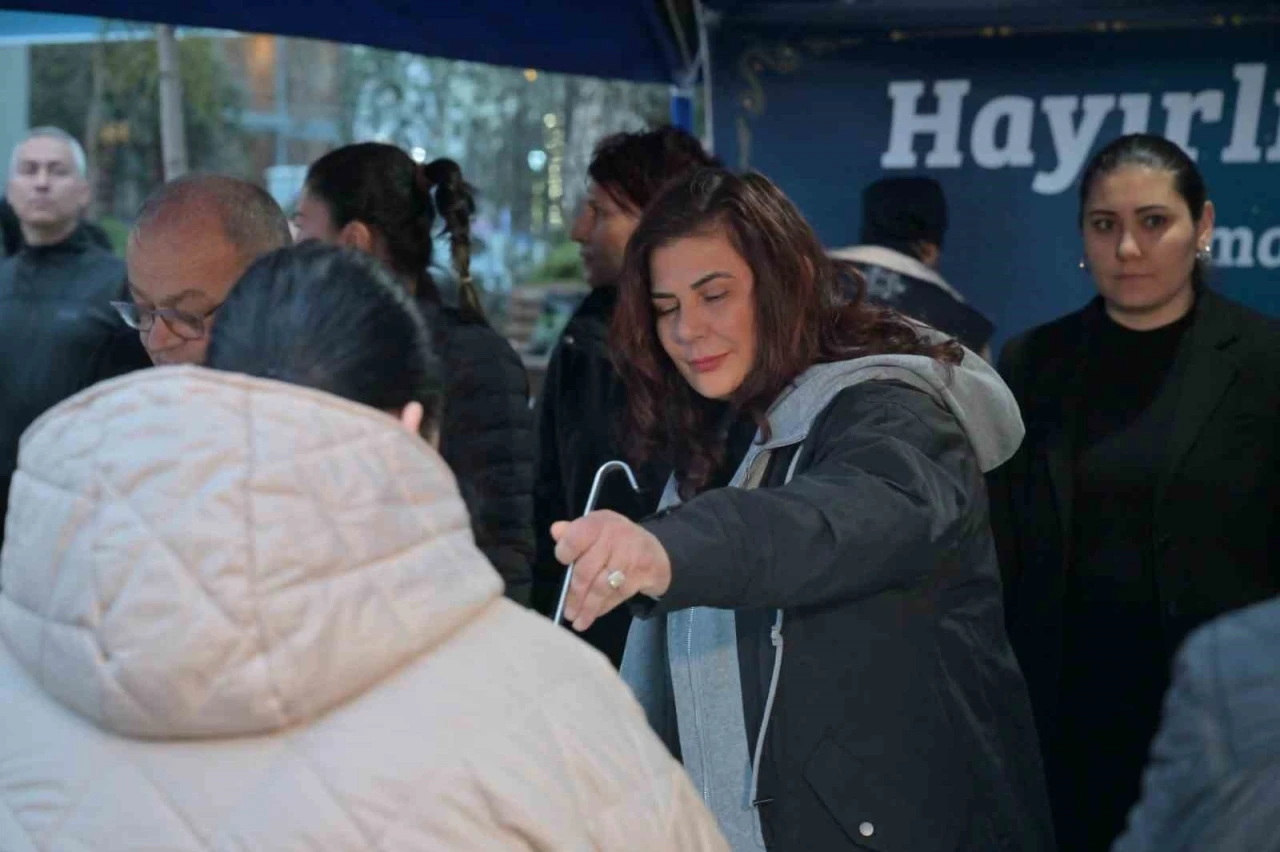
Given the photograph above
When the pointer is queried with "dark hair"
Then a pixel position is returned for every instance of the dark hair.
(381, 186)
(251, 219)
(10, 229)
(1153, 152)
(802, 317)
(902, 213)
(633, 167)
(331, 319)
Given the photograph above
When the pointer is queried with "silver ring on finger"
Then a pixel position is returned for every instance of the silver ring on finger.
(615, 580)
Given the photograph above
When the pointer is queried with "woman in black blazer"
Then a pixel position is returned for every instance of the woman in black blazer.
(1143, 501)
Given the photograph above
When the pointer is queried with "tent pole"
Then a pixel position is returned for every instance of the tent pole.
(704, 63)
(683, 91)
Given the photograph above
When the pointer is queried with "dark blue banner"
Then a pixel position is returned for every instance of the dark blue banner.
(1006, 125)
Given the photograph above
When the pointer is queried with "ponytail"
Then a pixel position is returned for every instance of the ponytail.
(455, 202)
(381, 186)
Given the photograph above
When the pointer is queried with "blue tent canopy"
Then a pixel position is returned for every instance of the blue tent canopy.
(626, 39)
(642, 40)
(868, 15)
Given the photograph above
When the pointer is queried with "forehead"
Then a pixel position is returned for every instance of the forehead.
(45, 149)
(681, 262)
(1130, 187)
(166, 261)
(311, 208)
(308, 202)
(601, 197)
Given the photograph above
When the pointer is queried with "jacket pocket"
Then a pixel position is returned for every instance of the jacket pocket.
(906, 793)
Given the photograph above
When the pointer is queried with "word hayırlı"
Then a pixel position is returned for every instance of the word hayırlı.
(1001, 131)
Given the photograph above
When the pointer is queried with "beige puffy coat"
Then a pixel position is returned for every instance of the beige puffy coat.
(240, 615)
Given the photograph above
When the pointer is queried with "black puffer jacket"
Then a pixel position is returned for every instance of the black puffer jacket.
(58, 333)
(486, 437)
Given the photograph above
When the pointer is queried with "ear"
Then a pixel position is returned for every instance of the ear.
(84, 195)
(356, 235)
(1204, 233)
(930, 254)
(411, 418)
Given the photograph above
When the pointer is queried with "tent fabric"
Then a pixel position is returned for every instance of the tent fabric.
(624, 39)
(835, 16)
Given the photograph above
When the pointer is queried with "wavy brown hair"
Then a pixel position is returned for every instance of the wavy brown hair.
(802, 318)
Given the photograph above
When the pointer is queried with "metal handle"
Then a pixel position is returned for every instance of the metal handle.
(606, 468)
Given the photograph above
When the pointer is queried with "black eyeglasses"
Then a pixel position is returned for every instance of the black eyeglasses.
(184, 325)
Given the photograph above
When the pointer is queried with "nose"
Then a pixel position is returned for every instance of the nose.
(1128, 246)
(582, 223)
(159, 339)
(690, 326)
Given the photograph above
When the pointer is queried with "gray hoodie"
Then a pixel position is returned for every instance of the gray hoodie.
(683, 667)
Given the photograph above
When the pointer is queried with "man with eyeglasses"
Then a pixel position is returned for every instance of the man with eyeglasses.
(193, 239)
(58, 334)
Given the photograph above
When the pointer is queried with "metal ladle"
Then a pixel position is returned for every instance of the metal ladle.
(604, 469)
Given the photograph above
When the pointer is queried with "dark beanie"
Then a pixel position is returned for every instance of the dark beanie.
(900, 211)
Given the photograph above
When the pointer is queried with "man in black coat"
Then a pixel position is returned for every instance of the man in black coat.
(58, 332)
(582, 398)
(904, 221)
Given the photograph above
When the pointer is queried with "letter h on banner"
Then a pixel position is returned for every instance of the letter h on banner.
(907, 123)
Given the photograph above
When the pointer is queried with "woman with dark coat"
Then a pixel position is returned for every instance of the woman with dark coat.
(1143, 500)
(820, 632)
(375, 198)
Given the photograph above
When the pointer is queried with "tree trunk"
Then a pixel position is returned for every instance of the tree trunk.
(173, 136)
(93, 125)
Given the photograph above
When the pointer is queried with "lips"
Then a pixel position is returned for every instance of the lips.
(706, 365)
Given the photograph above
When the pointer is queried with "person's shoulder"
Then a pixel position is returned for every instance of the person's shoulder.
(1250, 338)
(887, 405)
(94, 255)
(1233, 658)
(524, 662)
(582, 736)
(473, 338)
(105, 274)
(1252, 324)
(468, 326)
(525, 730)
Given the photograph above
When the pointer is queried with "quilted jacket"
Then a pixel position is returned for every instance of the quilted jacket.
(240, 615)
(1213, 782)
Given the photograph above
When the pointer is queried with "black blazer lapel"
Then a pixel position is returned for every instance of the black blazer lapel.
(1206, 369)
